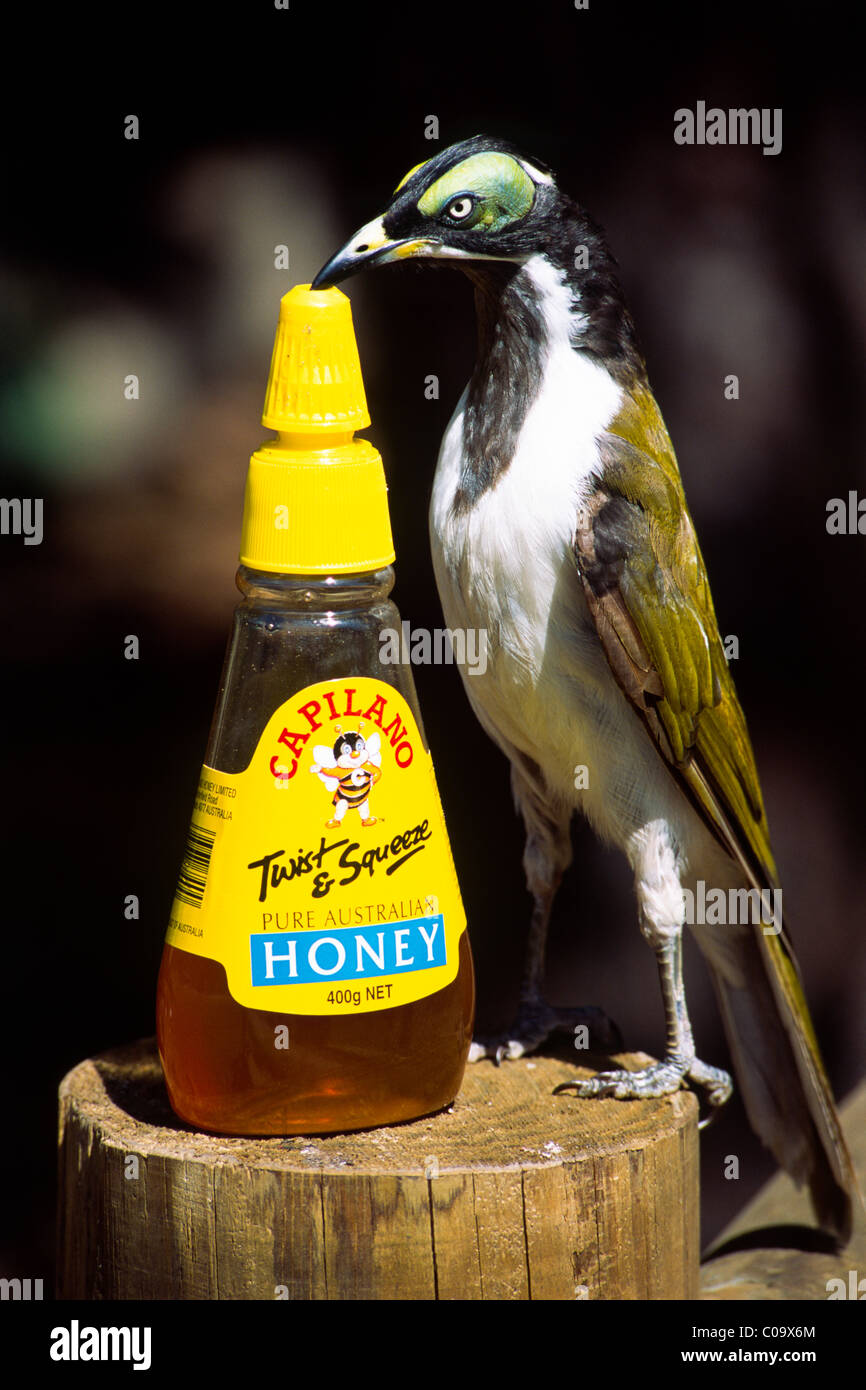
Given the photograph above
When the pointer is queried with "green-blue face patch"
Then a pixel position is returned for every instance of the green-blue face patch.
(503, 190)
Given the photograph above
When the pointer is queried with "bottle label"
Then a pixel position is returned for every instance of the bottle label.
(321, 876)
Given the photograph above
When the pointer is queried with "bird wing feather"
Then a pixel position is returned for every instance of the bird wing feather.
(647, 591)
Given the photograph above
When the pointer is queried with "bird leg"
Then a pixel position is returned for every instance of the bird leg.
(680, 1062)
(546, 856)
(662, 915)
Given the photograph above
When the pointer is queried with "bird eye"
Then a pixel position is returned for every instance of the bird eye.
(460, 208)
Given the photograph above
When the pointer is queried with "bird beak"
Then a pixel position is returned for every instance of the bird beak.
(369, 246)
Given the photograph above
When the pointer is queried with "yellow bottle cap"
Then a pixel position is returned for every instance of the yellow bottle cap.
(316, 499)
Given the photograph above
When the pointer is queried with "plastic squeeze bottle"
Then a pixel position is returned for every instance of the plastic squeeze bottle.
(316, 974)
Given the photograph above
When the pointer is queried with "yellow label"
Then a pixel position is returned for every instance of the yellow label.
(321, 876)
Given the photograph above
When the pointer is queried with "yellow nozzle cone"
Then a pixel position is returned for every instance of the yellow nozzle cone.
(315, 381)
(316, 500)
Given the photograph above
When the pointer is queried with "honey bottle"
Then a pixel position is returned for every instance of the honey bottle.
(317, 974)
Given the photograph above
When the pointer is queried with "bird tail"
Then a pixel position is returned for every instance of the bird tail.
(785, 1088)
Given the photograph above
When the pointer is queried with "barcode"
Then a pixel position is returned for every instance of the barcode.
(196, 862)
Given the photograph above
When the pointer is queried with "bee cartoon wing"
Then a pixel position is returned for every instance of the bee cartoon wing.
(323, 760)
(374, 750)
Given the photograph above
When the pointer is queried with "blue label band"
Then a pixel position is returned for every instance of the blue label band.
(304, 958)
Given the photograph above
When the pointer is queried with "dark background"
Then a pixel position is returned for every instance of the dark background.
(155, 256)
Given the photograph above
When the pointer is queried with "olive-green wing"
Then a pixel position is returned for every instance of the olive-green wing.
(646, 587)
(647, 590)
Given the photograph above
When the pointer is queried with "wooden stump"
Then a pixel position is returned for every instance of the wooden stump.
(512, 1193)
(774, 1251)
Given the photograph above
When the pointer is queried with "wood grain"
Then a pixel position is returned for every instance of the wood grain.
(510, 1193)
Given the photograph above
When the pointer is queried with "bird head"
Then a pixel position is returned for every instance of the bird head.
(485, 208)
(479, 200)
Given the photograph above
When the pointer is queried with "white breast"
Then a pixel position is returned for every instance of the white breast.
(506, 565)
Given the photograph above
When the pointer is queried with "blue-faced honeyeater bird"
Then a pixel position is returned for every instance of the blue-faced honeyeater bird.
(559, 525)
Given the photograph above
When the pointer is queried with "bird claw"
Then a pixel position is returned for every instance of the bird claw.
(499, 1052)
(717, 1083)
(661, 1079)
(536, 1021)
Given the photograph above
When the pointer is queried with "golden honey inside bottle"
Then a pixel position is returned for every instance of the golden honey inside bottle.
(317, 974)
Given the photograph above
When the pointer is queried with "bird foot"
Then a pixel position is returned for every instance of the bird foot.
(718, 1083)
(536, 1021)
(661, 1079)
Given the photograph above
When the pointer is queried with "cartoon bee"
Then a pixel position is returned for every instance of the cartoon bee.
(350, 769)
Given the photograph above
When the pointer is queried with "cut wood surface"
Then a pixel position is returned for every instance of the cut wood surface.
(510, 1193)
